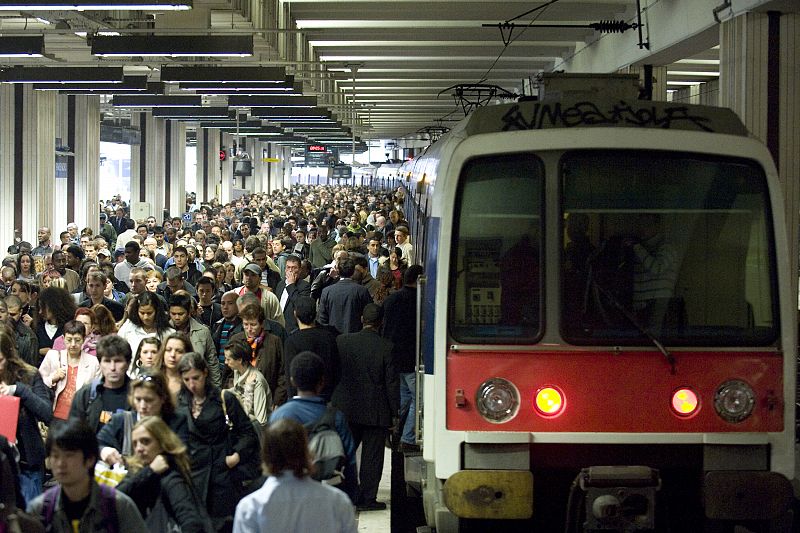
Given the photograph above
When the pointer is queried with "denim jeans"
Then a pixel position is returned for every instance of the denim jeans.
(30, 483)
(408, 391)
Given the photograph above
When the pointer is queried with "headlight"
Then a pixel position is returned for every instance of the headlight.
(497, 400)
(734, 400)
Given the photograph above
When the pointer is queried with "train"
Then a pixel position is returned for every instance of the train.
(606, 340)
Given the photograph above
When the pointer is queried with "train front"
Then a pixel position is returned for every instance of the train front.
(614, 345)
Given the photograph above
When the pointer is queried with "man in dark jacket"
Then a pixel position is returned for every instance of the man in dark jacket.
(290, 289)
(27, 342)
(96, 401)
(229, 325)
(342, 303)
(400, 327)
(368, 394)
(310, 337)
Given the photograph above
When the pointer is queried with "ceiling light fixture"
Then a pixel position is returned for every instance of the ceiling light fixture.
(96, 5)
(192, 112)
(273, 101)
(129, 83)
(22, 46)
(173, 46)
(259, 75)
(61, 75)
(156, 101)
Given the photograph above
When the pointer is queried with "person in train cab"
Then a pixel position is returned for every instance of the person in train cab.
(368, 394)
(655, 271)
(341, 304)
(577, 255)
(95, 288)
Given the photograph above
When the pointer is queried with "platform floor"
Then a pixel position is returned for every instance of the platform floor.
(379, 521)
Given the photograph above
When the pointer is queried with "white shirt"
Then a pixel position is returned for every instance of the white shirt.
(287, 504)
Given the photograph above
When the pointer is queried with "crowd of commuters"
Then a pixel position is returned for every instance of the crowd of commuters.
(205, 355)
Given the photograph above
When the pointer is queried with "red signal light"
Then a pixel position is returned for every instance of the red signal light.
(685, 402)
(223, 155)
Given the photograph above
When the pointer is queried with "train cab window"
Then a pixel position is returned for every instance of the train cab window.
(676, 246)
(497, 243)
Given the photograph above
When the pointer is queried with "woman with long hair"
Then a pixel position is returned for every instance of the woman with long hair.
(222, 441)
(56, 308)
(147, 359)
(172, 350)
(396, 265)
(18, 378)
(146, 318)
(160, 481)
(147, 396)
(26, 267)
(104, 321)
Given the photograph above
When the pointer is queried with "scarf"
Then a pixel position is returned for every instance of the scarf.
(255, 344)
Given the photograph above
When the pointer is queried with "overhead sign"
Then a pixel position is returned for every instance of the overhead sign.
(320, 155)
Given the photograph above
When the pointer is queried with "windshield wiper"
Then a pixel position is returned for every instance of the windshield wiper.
(643, 330)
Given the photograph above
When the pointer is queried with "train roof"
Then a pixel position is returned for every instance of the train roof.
(539, 115)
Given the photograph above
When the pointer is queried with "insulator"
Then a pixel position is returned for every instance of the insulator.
(611, 26)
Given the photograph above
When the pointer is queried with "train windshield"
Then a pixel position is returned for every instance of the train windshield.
(679, 245)
(497, 245)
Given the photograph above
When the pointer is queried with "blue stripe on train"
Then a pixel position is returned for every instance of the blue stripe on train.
(429, 303)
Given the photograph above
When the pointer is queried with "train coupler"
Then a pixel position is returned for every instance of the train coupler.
(616, 498)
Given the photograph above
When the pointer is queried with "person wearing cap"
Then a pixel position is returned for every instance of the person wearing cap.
(251, 275)
(369, 396)
(107, 231)
(103, 254)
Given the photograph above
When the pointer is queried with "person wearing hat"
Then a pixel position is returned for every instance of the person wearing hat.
(107, 231)
(251, 276)
(103, 254)
(369, 396)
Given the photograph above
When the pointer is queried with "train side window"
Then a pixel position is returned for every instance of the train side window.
(496, 262)
(679, 245)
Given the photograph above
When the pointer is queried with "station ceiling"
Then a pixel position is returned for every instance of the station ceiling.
(394, 63)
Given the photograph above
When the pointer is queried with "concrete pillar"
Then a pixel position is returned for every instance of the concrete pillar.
(64, 184)
(38, 161)
(659, 81)
(84, 131)
(7, 150)
(175, 169)
(226, 185)
(208, 168)
(148, 167)
(260, 167)
(760, 81)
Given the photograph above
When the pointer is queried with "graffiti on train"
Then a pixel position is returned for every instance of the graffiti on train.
(556, 115)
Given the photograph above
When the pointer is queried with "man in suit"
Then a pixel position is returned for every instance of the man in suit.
(342, 303)
(119, 222)
(368, 394)
(289, 289)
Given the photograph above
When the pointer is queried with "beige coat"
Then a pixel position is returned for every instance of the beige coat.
(88, 369)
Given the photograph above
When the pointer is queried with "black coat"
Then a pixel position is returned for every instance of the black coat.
(323, 343)
(300, 288)
(369, 389)
(116, 308)
(35, 407)
(179, 498)
(210, 441)
(341, 305)
(400, 327)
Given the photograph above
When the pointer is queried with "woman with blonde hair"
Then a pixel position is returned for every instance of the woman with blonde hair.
(160, 481)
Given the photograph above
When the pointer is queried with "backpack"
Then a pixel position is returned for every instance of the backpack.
(326, 446)
(108, 507)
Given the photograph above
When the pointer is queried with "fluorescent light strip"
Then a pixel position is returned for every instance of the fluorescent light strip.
(149, 5)
(70, 75)
(237, 75)
(22, 47)
(173, 46)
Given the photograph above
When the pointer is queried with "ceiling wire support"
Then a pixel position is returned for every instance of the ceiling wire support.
(639, 25)
(473, 95)
(603, 26)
